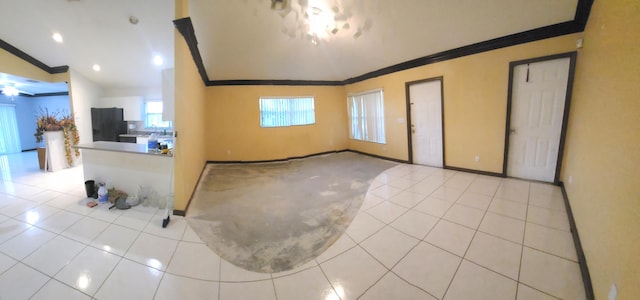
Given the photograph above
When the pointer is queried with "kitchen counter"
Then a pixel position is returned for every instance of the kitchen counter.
(128, 167)
(121, 147)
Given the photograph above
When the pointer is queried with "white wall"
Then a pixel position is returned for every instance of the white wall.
(152, 93)
(84, 94)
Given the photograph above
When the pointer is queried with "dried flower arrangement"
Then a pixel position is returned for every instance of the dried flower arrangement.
(56, 121)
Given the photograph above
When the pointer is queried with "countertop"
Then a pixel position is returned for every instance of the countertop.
(164, 137)
(121, 147)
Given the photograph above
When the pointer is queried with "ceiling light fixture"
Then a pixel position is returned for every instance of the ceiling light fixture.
(57, 37)
(133, 20)
(10, 91)
(157, 60)
(96, 67)
(317, 20)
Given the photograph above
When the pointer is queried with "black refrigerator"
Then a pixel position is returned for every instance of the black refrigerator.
(108, 124)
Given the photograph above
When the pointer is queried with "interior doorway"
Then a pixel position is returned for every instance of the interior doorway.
(537, 111)
(425, 123)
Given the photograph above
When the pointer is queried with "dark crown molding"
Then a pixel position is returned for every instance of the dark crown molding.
(578, 24)
(30, 59)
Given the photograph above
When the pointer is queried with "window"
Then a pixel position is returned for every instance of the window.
(281, 112)
(366, 116)
(153, 115)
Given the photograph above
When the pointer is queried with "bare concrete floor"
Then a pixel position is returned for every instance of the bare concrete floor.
(273, 217)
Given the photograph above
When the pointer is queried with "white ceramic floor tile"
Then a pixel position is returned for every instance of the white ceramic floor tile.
(353, 272)
(401, 183)
(103, 213)
(26, 242)
(60, 221)
(424, 187)
(550, 240)
(484, 186)
(550, 202)
(496, 254)
(191, 236)
(79, 206)
(54, 255)
(11, 228)
(37, 214)
(20, 282)
(136, 218)
(508, 208)
(386, 191)
(176, 287)
(419, 265)
(392, 287)
(451, 237)
(460, 181)
(363, 226)
(518, 194)
(528, 293)
(415, 224)
(174, 230)
(387, 211)
(341, 245)
(45, 196)
(447, 193)
(56, 290)
(474, 200)
(62, 200)
(464, 215)
(115, 239)
(434, 206)
(195, 261)
(18, 207)
(308, 284)
(551, 274)
(507, 228)
(259, 290)
(232, 273)
(153, 251)
(547, 217)
(88, 270)
(85, 230)
(370, 200)
(130, 280)
(389, 245)
(475, 282)
(407, 199)
(6, 262)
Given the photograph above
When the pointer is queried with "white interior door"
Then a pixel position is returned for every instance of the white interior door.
(537, 109)
(426, 122)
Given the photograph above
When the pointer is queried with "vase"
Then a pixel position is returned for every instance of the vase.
(55, 158)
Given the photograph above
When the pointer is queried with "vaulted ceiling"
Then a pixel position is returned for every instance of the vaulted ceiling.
(248, 40)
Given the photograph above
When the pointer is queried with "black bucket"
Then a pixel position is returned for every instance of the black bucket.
(90, 188)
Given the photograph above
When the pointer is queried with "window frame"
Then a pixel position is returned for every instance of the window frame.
(146, 116)
(290, 113)
(363, 135)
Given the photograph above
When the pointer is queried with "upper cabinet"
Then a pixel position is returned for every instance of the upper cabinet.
(133, 106)
(168, 94)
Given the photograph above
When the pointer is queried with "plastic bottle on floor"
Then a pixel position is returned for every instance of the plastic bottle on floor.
(103, 194)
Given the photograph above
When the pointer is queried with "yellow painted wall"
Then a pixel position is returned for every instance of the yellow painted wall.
(233, 129)
(189, 159)
(602, 153)
(475, 103)
(11, 64)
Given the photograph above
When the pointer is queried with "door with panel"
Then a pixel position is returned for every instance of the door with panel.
(425, 104)
(538, 99)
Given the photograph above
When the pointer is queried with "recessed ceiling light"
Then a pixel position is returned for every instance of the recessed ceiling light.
(96, 67)
(157, 60)
(57, 37)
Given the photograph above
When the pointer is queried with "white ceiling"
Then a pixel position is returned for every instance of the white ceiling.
(32, 87)
(245, 39)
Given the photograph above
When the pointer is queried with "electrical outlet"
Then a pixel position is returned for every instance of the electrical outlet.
(477, 158)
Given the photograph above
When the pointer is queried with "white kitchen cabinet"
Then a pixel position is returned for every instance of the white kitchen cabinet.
(168, 94)
(133, 106)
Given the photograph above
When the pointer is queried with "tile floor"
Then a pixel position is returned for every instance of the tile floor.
(422, 233)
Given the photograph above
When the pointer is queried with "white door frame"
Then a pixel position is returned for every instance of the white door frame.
(572, 67)
(408, 105)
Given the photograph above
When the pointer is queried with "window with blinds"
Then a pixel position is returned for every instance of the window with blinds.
(286, 111)
(366, 116)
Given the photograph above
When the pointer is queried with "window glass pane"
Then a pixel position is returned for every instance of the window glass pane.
(366, 117)
(279, 112)
(153, 115)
